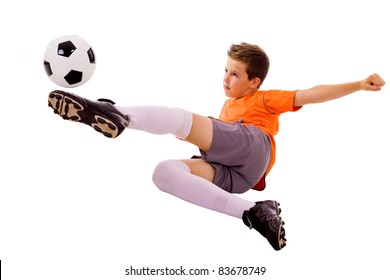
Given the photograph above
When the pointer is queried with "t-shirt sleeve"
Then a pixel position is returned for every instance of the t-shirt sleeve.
(280, 101)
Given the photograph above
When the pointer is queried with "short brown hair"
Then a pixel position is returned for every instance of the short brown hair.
(255, 58)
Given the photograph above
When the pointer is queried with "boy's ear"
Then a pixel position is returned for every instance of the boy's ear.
(256, 82)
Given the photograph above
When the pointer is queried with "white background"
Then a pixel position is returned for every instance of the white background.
(76, 205)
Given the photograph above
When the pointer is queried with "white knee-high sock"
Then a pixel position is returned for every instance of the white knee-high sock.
(159, 119)
(174, 177)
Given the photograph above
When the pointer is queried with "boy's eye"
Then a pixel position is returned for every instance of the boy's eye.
(231, 74)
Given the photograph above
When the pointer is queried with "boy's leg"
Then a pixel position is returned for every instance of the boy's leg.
(111, 120)
(175, 177)
(180, 179)
(188, 126)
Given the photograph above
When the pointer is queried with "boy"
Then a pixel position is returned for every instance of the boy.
(237, 150)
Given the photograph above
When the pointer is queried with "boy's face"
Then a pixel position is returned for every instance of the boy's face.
(235, 81)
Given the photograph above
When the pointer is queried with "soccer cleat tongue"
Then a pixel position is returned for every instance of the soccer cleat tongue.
(106, 100)
(246, 220)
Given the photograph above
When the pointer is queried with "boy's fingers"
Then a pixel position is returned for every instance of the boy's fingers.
(376, 80)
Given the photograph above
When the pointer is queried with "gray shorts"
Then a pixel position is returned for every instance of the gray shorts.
(240, 155)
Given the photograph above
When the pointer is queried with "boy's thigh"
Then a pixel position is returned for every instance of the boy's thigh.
(201, 168)
(201, 133)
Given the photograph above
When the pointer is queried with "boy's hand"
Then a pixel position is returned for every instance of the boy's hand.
(374, 83)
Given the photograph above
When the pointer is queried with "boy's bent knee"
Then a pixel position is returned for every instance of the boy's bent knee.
(164, 173)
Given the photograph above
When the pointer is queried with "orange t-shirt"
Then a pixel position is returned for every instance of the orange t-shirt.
(261, 109)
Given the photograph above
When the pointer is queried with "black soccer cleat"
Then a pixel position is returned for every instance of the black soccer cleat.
(100, 115)
(264, 217)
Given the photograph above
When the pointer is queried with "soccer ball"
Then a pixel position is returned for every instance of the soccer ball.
(69, 61)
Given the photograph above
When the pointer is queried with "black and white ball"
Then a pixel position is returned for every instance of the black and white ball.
(69, 61)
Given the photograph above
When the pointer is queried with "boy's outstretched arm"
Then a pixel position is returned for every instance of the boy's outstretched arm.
(324, 93)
